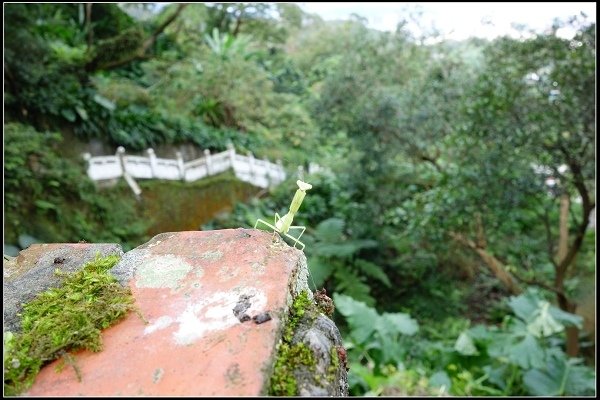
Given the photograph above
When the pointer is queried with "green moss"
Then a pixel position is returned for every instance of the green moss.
(301, 305)
(334, 364)
(64, 319)
(290, 356)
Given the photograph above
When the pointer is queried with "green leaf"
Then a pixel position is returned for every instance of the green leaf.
(104, 102)
(330, 230)
(373, 270)
(45, 205)
(465, 346)
(581, 380)
(351, 284)
(543, 323)
(82, 113)
(393, 323)
(566, 318)
(68, 114)
(392, 349)
(561, 377)
(524, 305)
(361, 318)
(334, 249)
(496, 375)
(500, 344)
(527, 353)
(440, 379)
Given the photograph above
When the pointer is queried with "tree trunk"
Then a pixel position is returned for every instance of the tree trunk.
(572, 345)
(88, 24)
(563, 238)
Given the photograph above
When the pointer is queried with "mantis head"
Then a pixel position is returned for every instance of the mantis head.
(303, 185)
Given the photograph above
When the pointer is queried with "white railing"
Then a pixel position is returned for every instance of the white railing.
(261, 173)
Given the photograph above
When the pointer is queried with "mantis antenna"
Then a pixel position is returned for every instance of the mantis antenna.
(283, 224)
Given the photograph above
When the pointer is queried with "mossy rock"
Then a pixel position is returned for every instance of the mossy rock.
(66, 318)
(307, 361)
(33, 271)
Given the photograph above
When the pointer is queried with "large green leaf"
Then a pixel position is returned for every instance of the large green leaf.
(330, 230)
(464, 345)
(524, 305)
(361, 318)
(441, 380)
(543, 324)
(527, 353)
(530, 307)
(561, 377)
(566, 318)
(496, 375)
(349, 283)
(373, 270)
(394, 323)
(339, 250)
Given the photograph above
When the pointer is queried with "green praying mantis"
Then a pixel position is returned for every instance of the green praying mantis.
(284, 225)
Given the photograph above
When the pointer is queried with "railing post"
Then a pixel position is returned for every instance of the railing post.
(208, 162)
(181, 165)
(88, 157)
(301, 172)
(231, 150)
(251, 165)
(268, 172)
(121, 155)
(153, 165)
(280, 173)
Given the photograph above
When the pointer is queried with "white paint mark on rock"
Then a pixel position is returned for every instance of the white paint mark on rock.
(161, 323)
(215, 313)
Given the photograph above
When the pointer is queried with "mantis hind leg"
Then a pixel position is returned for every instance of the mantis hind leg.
(297, 239)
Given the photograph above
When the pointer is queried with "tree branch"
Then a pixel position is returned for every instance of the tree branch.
(495, 265)
(140, 53)
(539, 284)
(150, 41)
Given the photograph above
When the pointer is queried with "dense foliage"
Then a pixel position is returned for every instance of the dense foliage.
(450, 216)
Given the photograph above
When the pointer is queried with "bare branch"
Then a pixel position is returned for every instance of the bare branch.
(495, 265)
(140, 53)
(150, 41)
